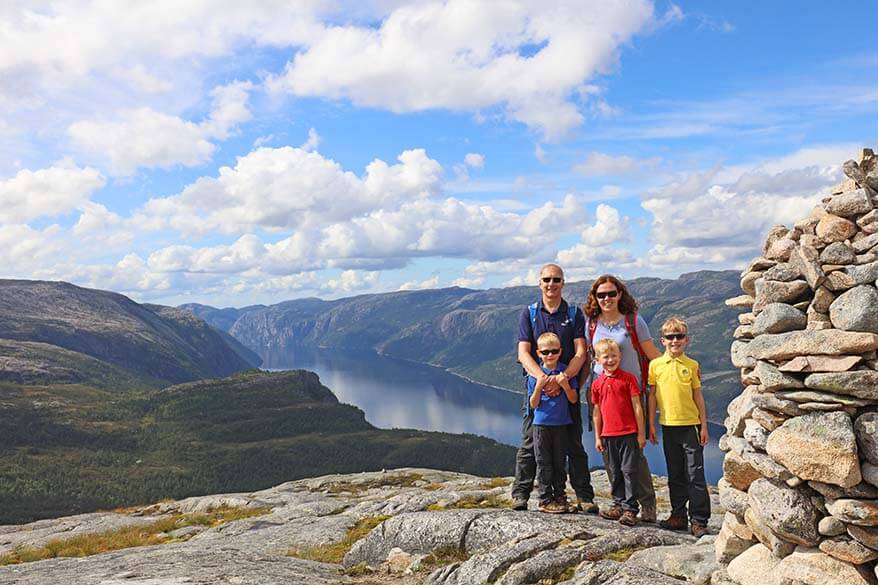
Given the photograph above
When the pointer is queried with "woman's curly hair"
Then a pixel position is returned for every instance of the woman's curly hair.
(627, 304)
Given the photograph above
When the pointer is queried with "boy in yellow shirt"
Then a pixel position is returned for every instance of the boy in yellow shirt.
(676, 382)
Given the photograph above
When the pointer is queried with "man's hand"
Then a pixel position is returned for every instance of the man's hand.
(704, 436)
(652, 436)
(641, 440)
(598, 444)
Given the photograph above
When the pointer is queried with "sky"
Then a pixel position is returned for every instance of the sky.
(234, 153)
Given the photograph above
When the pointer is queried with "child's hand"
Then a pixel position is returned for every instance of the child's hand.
(704, 436)
(652, 436)
(641, 440)
(563, 381)
(598, 444)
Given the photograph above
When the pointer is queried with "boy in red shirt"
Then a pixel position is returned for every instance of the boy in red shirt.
(618, 430)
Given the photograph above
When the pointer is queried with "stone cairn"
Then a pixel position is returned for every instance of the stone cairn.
(800, 474)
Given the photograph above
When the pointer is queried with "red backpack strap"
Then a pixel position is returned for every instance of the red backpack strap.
(630, 325)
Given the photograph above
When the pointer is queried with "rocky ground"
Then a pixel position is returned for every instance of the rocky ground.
(431, 527)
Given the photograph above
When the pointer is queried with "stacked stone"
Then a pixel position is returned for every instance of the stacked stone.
(800, 475)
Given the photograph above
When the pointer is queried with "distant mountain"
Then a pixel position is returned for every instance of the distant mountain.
(57, 332)
(473, 333)
(69, 448)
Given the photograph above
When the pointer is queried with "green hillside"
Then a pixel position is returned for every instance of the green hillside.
(69, 448)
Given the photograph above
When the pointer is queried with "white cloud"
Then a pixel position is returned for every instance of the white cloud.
(609, 227)
(145, 138)
(474, 160)
(720, 216)
(351, 280)
(47, 192)
(23, 248)
(432, 282)
(313, 141)
(142, 80)
(285, 188)
(601, 164)
(527, 59)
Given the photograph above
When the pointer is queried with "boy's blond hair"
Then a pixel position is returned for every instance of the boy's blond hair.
(606, 344)
(548, 336)
(675, 325)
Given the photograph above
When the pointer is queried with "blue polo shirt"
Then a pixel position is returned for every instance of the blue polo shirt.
(553, 411)
(558, 323)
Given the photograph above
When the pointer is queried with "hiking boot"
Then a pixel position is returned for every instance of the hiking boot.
(562, 501)
(698, 530)
(519, 504)
(628, 518)
(674, 523)
(612, 513)
(648, 515)
(552, 507)
(587, 506)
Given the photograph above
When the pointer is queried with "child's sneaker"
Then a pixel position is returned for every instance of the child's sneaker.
(551, 507)
(628, 518)
(612, 513)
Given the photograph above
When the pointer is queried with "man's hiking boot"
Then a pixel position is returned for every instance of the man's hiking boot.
(648, 515)
(698, 530)
(675, 523)
(552, 507)
(587, 506)
(519, 504)
(628, 518)
(562, 501)
(612, 513)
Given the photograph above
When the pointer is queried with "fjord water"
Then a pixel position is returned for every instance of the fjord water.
(399, 394)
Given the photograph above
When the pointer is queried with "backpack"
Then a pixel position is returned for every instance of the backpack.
(571, 313)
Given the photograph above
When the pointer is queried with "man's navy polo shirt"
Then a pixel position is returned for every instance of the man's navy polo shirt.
(558, 323)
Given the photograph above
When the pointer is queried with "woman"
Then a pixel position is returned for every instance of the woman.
(611, 311)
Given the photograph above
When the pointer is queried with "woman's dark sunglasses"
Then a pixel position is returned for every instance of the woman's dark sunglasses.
(550, 351)
(675, 336)
(609, 294)
(555, 279)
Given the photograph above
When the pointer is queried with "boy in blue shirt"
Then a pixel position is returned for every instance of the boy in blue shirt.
(551, 417)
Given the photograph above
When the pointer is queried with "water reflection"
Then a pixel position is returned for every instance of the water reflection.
(399, 394)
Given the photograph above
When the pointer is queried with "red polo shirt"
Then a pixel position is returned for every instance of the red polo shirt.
(612, 393)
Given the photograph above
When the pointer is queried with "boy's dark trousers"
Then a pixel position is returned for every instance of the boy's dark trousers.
(525, 462)
(622, 458)
(685, 457)
(550, 447)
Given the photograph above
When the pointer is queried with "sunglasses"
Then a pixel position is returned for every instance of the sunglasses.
(555, 279)
(675, 336)
(607, 295)
(554, 351)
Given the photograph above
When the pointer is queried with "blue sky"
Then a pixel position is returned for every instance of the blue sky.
(233, 154)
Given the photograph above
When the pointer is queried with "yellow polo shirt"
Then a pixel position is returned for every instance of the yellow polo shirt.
(674, 380)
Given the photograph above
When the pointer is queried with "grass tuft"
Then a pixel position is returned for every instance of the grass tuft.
(622, 554)
(441, 557)
(357, 488)
(489, 501)
(496, 482)
(130, 536)
(335, 552)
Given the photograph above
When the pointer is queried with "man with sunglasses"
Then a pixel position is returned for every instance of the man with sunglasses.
(551, 313)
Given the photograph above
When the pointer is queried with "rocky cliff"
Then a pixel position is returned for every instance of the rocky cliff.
(801, 470)
(408, 526)
(49, 330)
